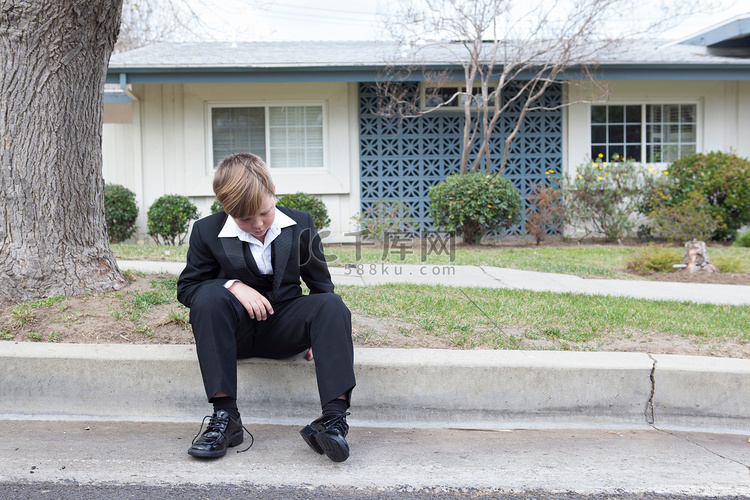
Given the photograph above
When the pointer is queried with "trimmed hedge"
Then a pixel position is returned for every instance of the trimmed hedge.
(475, 204)
(169, 219)
(307, 203)
(120, 212)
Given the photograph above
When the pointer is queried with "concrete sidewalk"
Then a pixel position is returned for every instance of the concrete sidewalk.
(495, 277)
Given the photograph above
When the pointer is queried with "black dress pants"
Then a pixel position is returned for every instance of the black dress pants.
(225, 333)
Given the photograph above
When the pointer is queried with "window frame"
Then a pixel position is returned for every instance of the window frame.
(458, 107)
(643, 103)
(266, 105)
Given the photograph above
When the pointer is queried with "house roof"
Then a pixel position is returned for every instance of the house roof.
(356, 61)
(731, 38)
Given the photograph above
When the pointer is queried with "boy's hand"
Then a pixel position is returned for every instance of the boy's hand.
(256, 304)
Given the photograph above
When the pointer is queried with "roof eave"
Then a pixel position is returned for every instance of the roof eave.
(369, 73)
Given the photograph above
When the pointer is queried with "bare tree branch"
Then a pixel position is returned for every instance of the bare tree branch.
(145, 22)
(511, 52)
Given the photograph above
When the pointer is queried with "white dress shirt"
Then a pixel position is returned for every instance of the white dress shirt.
(261, 251)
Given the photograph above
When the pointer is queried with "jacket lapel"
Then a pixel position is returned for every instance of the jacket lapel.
(234, 249)
(282, 245)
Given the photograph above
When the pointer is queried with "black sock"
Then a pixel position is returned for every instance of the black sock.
(335, 407)
(227, 404)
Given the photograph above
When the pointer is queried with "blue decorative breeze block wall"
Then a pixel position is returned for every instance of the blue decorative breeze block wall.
(404, 158)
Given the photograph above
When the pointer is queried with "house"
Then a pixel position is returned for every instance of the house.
(310, 109)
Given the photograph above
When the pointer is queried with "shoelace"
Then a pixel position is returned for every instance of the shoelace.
(338, 422)
(213, 425)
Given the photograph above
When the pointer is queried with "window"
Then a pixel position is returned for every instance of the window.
(284, 136)
(445, 97)
(437, 96)
(651, 133)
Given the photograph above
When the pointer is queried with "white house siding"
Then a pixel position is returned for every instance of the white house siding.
(723, 112)
(172, 155)
(121, 161)
(117, 150)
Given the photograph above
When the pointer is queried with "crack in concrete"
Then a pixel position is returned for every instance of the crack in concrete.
(714, 453)
(649, 412)
(502, 283)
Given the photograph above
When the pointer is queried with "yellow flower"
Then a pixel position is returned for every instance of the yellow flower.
(580, 176)
(600, 178)
(665, 172)
(600, 155)
(651, 169)
(605, 163)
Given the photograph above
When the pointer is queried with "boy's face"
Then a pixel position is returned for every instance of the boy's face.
(258, 224)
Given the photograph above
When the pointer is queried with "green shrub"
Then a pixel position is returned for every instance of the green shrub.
(685, 220)
(475, 204)
(384, 217)
(743, 240)
(724, 182)
(603, 196)
(728, 264)
(216, 207)
(120, 212)
(544, 212)
(653, 258)
(307, 203)
(169, 218)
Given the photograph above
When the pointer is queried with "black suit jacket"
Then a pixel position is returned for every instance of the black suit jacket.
(296, 253)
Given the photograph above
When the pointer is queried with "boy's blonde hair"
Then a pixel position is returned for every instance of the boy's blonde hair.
(242, 185)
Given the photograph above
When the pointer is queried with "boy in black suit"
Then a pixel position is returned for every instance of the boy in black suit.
(242, 285)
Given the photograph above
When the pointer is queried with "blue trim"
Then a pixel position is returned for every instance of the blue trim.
(116, 97)
(668, 72)
(738, 71)
(728, 31)
(261, 75)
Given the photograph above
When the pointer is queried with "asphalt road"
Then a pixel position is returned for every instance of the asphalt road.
(46, 491)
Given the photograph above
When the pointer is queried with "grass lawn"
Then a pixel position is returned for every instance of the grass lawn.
(407, 315)
(157, 253)
(508, 319)
(587, 261)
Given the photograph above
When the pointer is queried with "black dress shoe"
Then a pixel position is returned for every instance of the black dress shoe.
(223, 431)
(327, 435)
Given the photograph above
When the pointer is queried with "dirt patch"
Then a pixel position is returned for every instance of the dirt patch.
(110, 318)
(701, 277)
(135, 315)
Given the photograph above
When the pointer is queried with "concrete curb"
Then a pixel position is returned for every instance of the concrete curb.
(396, 387)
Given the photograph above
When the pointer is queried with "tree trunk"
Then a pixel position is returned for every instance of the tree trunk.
(53, 61)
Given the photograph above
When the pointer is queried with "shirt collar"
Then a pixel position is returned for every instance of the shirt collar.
(280, 221)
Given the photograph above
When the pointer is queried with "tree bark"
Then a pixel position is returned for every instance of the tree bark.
(53, 60)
